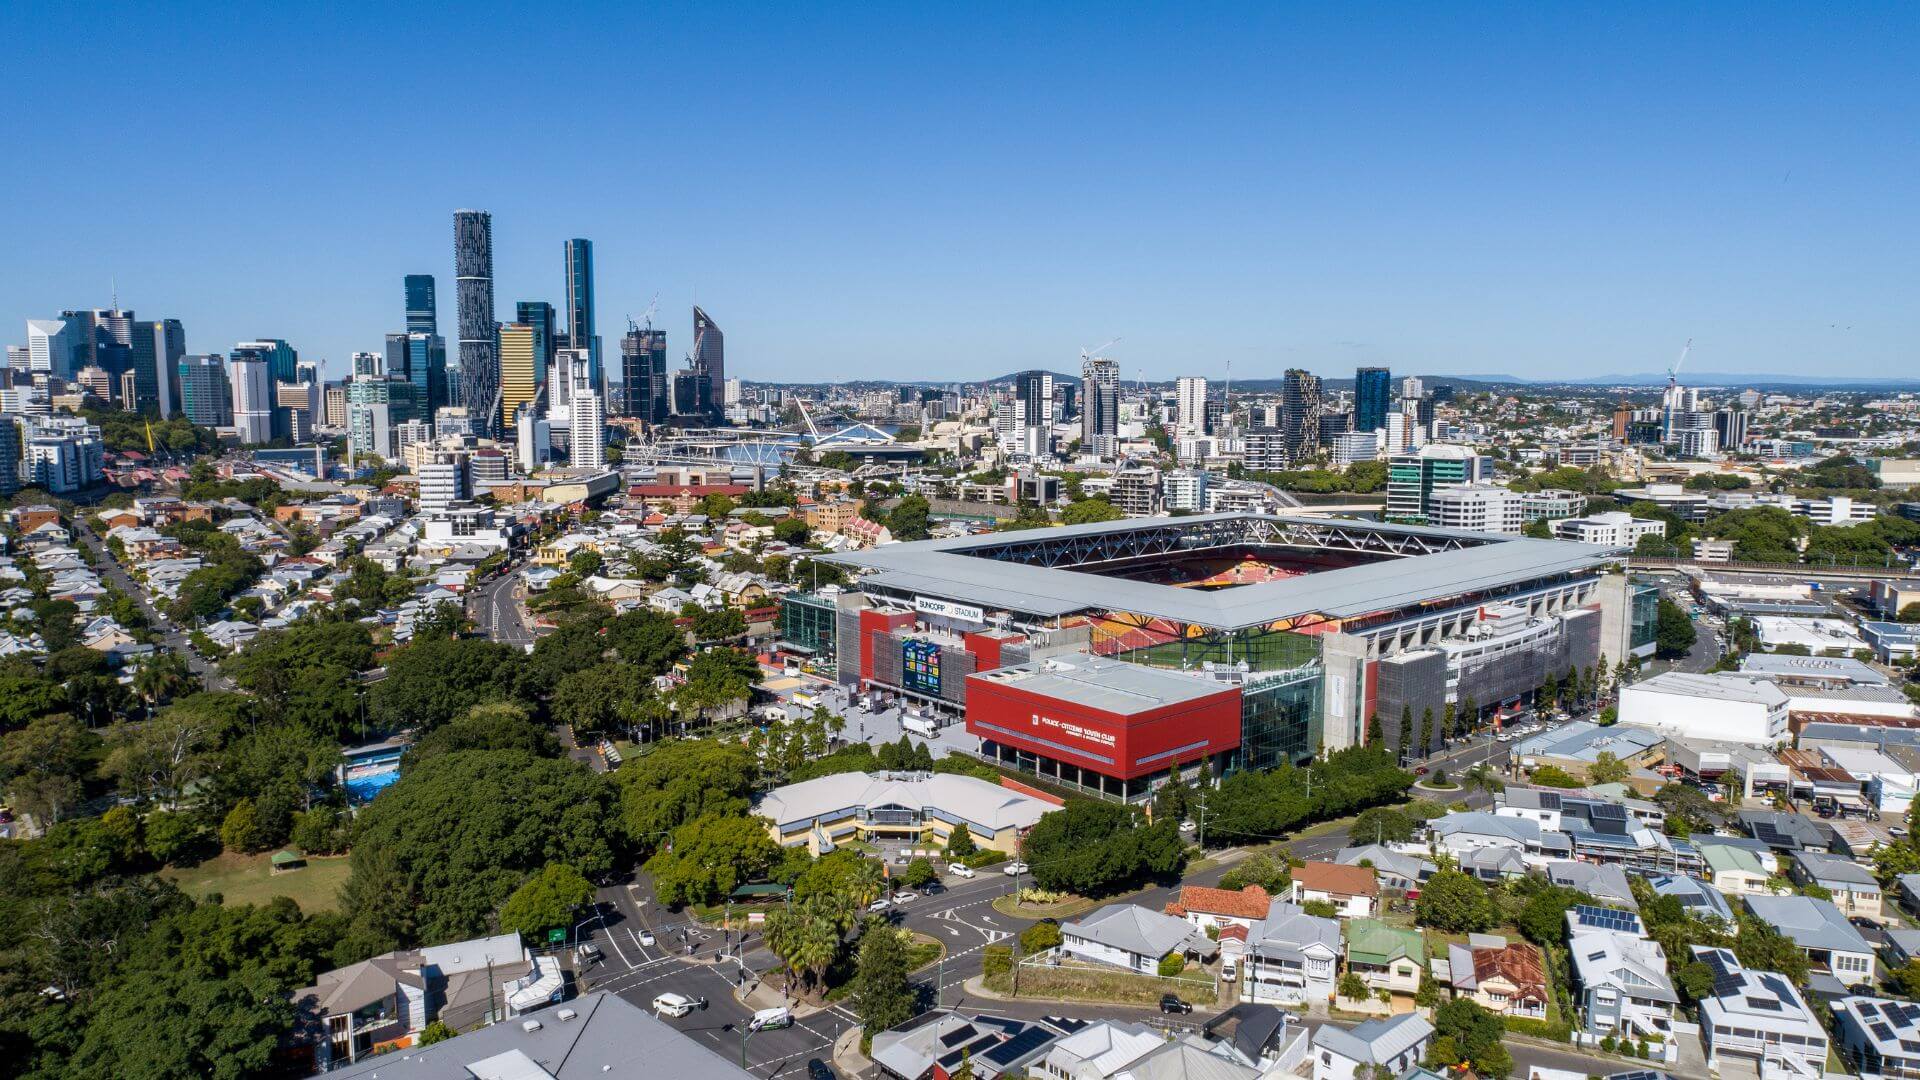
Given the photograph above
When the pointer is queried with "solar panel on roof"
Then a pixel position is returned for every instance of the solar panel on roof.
(1606, 918)
(1881, 1030)
(958, 1035)
(1767, 1004)
(1019, 1046)
(1549, 800)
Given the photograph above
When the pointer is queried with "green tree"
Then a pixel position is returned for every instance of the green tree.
(495, 726)
(437, 1031)
(918, 873)
(1466, 1033)
(1382, 825)
(711, 856)
(432, 681)
(678, 780)
(180, 1024)
(1352, 987)
(1039, 937)
(585, 563)
(1607, 769)
(882, 995)
(1092, 848)
(1673, 631)
(44, 765)
(1090, 511)
(909, 519)
(546, 901)
(960, 842)
(1454, 902)
(240, 831)
(445, 845)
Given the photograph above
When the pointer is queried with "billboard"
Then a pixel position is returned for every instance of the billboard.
(920, 666)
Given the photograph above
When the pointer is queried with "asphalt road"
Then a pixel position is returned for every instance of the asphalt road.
(496, 610)
(171, 636)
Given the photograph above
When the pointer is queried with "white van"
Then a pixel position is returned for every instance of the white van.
(768, 1019)
(1229, 969)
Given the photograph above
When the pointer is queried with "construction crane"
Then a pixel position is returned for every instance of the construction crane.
(1089, 354)
(1673, 369)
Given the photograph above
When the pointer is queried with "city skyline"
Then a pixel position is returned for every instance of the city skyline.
(1511, 191)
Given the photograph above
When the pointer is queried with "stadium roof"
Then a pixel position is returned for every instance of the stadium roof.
(1423, 564)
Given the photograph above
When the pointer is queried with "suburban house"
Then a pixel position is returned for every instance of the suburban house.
(1737, 868)
(1352, 890)
(1132, 937)
(1494, 864)
(1393, 869)
(1831, 943)
(938, 1047)
(1784, 832)
(384, 1002)
(1504, 977)
(1757, 1016)
(1220, 908)
(1397, 1045)
(1601, 882)
(1880, 1035)
(1695, 895)
(1291, 958)
(1098, 1051)
(1854, 888)
(1621, 977)
(1385, 957)
(1458, 834)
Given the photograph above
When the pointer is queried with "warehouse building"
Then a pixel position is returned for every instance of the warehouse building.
(1722, 707)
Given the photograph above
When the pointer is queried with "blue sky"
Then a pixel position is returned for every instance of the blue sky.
(1542, 190)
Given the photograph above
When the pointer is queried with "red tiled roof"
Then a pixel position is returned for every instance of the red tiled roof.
(1251, 902)
(1335, 878)
(1518, 963)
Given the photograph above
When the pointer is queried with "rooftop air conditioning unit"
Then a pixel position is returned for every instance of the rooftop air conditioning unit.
(530, 1026)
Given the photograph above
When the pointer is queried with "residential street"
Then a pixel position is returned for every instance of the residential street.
(171, 636)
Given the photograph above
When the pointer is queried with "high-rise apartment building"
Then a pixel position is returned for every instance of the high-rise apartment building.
(157, 347)
(423, 312)
(205, 399)
(1372, 395)
(644, 381)
(479, 347)
(580, 335)
(1190, 404)
(334, 401)
(710, 355)
(1300, 413)
(1412, 387)
(519, 375)
(1099, 405)
(589, 428)
(252, 381)
(368, 365)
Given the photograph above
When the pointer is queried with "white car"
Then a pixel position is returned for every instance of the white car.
(879, 905)
(676, 1004)
(960, 869)
(905, 895)
(1187, 826)
(1014, 869)
(646, 937)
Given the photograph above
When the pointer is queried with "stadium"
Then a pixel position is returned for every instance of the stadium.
(1305, 627)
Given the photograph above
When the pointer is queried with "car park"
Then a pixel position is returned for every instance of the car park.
(671, 1004)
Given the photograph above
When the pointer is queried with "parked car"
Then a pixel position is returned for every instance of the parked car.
(646, 937)
(1014, 869)
(905, 895)
(671, 1004)
(588, 953)
(820, 1070)
(960, 869)
(1171, 1004)
(880, 905)
(1187, 826)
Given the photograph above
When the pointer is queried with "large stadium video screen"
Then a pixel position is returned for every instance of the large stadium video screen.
(920, 667)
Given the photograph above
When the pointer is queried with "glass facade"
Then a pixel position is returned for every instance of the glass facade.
(1372, 393)
(1644, 604)
(1280, 718)
(806, 625)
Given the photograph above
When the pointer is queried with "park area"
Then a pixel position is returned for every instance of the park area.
(251, 879)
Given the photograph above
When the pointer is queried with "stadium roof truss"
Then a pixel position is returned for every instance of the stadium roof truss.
(1058, 571)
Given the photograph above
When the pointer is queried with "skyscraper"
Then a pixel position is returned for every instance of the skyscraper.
(51, 344)
(580, 335)
(519, 382)
(282, 359)
(540, 315)
(479, 345)
(1190, 399)
(643, 375)
(1372, 391)
(710, 354)
(204, 397)
(423, 313)
(1300, 413)
(1099, 405)
(588, 429)
(253, 402)
(157, 349)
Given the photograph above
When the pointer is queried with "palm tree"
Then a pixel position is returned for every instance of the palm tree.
(161, 678)
(867, 883)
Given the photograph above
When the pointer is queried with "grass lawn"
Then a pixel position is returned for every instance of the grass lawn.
(1088, 983)
(1065, 909)
(249, 879)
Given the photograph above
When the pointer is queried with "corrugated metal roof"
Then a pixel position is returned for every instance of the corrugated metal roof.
(947, 569)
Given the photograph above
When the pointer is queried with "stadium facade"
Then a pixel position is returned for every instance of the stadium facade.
(1108, 656)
